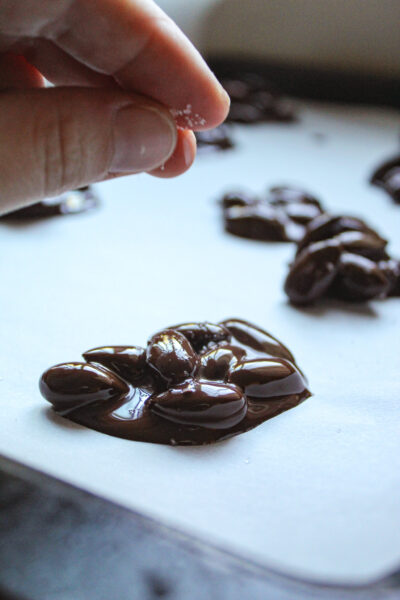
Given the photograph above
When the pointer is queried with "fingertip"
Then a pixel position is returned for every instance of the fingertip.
(222, 103)
(225, 103)
(211, 107)
(182, 157)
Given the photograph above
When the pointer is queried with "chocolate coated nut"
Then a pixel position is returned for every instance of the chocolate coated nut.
(127, 361)
(326, 226)
(359, 279)
(238, 199)
(257, 222)
(203, 335)
(391, 183)
(299, 206)
(313, 272)
(170, 354)
(370, 245)
(215, 363)
(391, 270)
(237, 89)
(387, 176)
(281, 195)
(203, 404)
(245, 113)
(73, 385)
(362, 271)
(256, 338)
(254, 99)
(217, 138)
(267, 378)
(302, 213)
(280, 216)
(271, 106)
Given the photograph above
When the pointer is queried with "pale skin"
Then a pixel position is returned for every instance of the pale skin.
(119, 67)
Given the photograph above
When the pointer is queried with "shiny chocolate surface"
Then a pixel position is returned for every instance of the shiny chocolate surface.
(387, 177)
(193, 384)
(218, 138)
(281, 215)
(341, 257)
(254, 99)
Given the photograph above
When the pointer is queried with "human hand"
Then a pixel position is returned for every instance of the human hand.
(119, 66)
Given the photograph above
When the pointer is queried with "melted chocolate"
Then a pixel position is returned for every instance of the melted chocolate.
(280, 216)
(341, 257)
(214, 139)
(195, 383)
(254, 99)
(73, 202)
(387, 176)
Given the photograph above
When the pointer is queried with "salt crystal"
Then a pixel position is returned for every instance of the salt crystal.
(191, 120)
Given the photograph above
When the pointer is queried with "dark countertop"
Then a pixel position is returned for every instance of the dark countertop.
(59, 542)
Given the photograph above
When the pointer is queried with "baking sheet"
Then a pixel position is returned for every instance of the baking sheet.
(315, 491)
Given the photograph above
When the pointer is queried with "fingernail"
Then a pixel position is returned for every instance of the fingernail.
(226, 98)
(144, 139)
(189, 149)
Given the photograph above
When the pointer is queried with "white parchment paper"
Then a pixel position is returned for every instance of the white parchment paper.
(315, 491)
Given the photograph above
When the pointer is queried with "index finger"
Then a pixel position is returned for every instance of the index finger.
(136, 43)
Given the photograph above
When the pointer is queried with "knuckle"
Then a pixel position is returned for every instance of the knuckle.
(60, 150)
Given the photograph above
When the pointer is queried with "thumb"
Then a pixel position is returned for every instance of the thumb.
(56, 139)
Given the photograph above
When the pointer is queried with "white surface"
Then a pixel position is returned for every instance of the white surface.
(315, 490)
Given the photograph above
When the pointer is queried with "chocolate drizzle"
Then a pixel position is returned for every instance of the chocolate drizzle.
(195, 383)
(387, 177)
(254, 99)
(280, 216)
(73, 202)
(341, 257)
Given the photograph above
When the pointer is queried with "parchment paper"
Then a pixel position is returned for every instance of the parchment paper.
(315, 491)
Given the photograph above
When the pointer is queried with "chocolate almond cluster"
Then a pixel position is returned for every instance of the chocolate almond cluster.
(341, 257)
(254, 99)
(218, 138)
(72, 202)
(194, 383)
(280, 216)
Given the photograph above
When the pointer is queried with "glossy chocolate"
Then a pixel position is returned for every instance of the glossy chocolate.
(127, 361)
(256, 340)
(216, 363)
(266, 377)
(195, 383)
(326, 226)
(391, 269)
(254, 99)
(387, 176)
(201, 403)
(203, 335)
(370, 245)
(313, 272)
(171, 355)
(73, 202)
(218, 138)
(341, 257)
(280, 216)
(360, 279)
(74, 385)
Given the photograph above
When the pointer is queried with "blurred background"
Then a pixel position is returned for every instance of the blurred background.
(360, 36)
